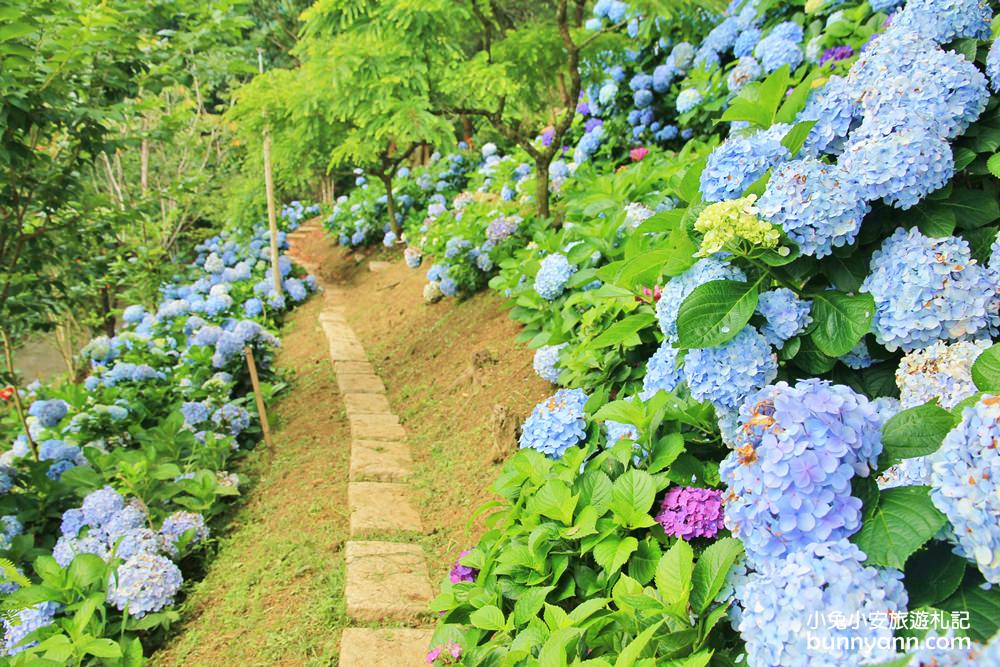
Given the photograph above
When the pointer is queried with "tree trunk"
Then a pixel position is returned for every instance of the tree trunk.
(542, 183)
(390, 203)
(109, 316)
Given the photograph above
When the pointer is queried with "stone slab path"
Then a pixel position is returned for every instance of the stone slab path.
(387, 581)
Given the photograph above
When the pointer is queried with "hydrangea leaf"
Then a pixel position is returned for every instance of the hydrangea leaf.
(903, 521)
(690, 186)
(840, 321)
(632, 496)
(487, 618)
(625, 332)
(986, 370)
(613, 552)
(933, 574)
(530, 603)
(983, 607)
(711, 570)
(642, 564)
(973, 208)
(915, 432)
(634, 649)
(674, 572)
(796, 137)
(715, 312)
(993, 164)
(555, 500)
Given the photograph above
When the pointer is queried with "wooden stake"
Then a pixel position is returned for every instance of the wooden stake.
(259, 398)
(8, 355)
(272, 213)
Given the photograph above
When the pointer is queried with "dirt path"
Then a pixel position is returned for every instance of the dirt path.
(273, 595)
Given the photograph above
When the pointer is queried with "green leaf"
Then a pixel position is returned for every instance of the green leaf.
(983, 607)
(673, 574)
(690, 186)
(903, 521)
(796, 137)
(632, 496)
(933, 574)
(986, 370)
(973, 208)
(625, 332)
(915, 432)
(715, 312)
(711, 570)
(613, 552)
(642, 564)
(993, 164)
(530, 603)
(487, 618)
(103, 648)
(555, 501)
(840, 321)
(634, 648)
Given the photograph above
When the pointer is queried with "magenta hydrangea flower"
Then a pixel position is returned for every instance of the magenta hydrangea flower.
(688, 512)
(461, 573)
(446, 654)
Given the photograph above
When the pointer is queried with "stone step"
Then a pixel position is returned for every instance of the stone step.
(386, 647)
(353, 368)
(386, 581)
(358, 383)
(366, 404)
(381, 507)
(376, 427)
(381, 461)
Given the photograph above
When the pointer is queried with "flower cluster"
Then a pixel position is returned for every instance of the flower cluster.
(741, 160)
(689, 512)
(940, 372)
(662, 371)
(785, 315)
(789, 476)
(556, 424)
(964, 474)
(462, 573)
(552, 276)
(926, 290)
(144, 583)
(546, 362)
(727, 374)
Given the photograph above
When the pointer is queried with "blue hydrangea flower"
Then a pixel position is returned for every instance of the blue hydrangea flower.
(723, 36)
(944, 21)
(556, 424)
(788, 30)
(745, 71)
(296, 289)
(67, 548)
(10, 528)
(253, 307)
(836, 110)
(144, 583)
(553, 274)
(49, 413)
(964, 475)
(484, 262)
(746, 42)
(797, 448)
(662, 371)
(642, 98)
(448, 286)
(436, 272)
(101, 505)
(640, 81)
(133, 314)
(785, 313)
(546, 362)
(725, 375)
(688, 99)
(740, 160)
(774, 51)
(195, 412)
(232, 418)
(28, 620)
(781, 604)
(884, 5)
(682, 55)
(674, 292)
(818, 205)
(706, 58)
(858, 357)
(72, 521)
(177, 524)
(926, 290)
(664, 75)
(941, 372)
(620, 431)
(897, 158)
(993, 65)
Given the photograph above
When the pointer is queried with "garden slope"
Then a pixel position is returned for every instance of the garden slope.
(274, 593)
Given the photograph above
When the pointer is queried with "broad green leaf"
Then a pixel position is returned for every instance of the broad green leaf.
(595, 491)
(986, 370)
(614, 552)
(983, 607)
(933, 574)
(103, 648)
(915, 432)
(673, 574)
(634, 648)
(625, 332)
(554, 500)
(487, 618)
(711, 570)
(690, 186)
(903, 521)
(795, 139)
(840, 321)
(973, 208)
(642, 564)
(632, 496)
(715, 312)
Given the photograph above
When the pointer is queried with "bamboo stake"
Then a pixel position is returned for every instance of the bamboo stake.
(265, 427)
(16, 396)
(272, 214)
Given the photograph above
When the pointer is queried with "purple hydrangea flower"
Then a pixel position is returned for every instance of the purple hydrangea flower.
(689, 512)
